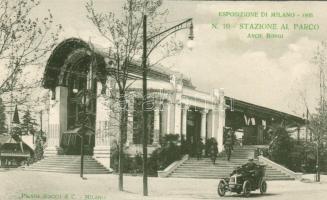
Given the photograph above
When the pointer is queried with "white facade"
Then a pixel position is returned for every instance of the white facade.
(172, 101)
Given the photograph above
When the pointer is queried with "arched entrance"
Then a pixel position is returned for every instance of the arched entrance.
(80, 81)
(72, 73)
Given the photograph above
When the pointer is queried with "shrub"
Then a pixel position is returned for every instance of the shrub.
(39, 149)
(169, 152)
(281, 147)
(295, 155)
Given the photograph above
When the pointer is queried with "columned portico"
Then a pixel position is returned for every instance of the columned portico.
(57, 120)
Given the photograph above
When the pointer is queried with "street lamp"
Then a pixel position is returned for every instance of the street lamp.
(84, 102)
(155, 40)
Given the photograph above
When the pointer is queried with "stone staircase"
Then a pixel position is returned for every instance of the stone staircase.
(68, 164)
(204, 168)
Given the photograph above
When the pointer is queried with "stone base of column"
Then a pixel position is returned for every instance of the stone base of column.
(52, 151)
(102, 155)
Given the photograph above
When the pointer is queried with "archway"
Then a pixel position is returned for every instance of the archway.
(78, 76)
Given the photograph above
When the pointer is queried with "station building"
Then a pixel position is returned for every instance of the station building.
(75, 66)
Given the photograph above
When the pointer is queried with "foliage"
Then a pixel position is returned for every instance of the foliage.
(24, 39)
(160, 158)
(3, 128)
(281, 146)
(169, 152)
(293, 154)
(28, 124)
(39, 149)
(16, 132)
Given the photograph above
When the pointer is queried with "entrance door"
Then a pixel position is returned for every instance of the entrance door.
(81, 108)
(193, 131)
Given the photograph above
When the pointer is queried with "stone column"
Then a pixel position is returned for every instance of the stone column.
(57, 120)
(101, 151)
(177, 118)
(204, 124)
(184, 121)
(177, 83)
(166, 118)
(177, 112)
(221, 120)
(156, 127)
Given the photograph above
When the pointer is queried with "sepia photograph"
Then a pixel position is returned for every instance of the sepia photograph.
(163, 99)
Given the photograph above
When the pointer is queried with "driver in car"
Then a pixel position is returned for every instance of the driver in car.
(250, 168)
(250, 165)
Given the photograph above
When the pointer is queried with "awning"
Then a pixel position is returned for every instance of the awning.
(70, 137)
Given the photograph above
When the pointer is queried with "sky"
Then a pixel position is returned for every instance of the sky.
(276, 73)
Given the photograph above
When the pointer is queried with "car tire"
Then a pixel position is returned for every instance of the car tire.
(263, 187)
(221, 190)
(246, 188)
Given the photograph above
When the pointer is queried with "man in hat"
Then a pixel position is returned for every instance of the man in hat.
(250, 165)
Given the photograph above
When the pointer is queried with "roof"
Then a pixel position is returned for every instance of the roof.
(28, 140)
(66, 47)
(15, 149)
(261, 111)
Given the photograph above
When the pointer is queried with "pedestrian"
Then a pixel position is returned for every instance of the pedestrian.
(213, 150)
(228, 143)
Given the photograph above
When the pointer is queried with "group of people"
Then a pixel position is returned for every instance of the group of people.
(211, 147)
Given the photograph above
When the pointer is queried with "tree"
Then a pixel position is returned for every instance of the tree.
(318, 123)
(28, 124)
(281, 146)
(123, 33)
(318, 128)
(3, 127)
(24, 40)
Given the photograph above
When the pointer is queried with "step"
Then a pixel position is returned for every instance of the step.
(204, 168)
(68, 164)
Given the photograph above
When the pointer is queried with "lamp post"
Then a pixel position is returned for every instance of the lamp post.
(156, 40)
(84, 106)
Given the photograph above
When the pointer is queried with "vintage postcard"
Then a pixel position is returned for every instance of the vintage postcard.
(162, 99)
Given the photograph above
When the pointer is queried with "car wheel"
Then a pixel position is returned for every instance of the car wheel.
(221, 188)
(246, 188)
(263, 187)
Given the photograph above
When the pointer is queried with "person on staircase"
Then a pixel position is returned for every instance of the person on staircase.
(228, 143)
(199, 149)
(213, 150)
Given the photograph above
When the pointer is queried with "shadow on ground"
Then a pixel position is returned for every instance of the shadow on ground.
(252, 195)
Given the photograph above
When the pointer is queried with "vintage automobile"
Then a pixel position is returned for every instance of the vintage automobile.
(244, 180)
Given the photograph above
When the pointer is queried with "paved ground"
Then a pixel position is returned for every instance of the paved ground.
(17, 184)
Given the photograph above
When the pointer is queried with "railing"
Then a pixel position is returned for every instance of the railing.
(266, 161)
